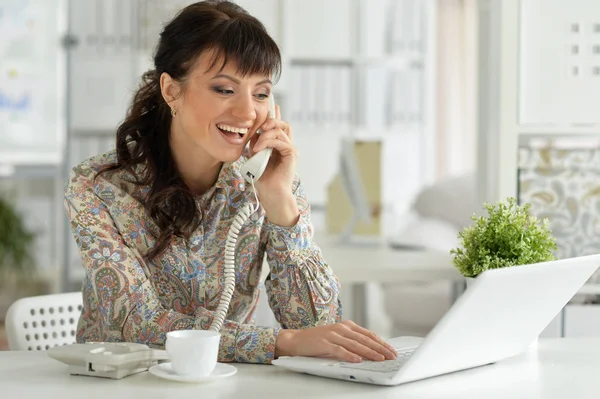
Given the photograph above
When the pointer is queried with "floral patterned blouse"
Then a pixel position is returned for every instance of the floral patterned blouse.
(126, 298)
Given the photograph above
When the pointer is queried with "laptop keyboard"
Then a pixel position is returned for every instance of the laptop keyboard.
(384, 366)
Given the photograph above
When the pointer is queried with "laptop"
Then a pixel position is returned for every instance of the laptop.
(499, 316)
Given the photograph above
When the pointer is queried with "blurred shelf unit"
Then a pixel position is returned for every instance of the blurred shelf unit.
(529, 91)
(364, 69)
(351, 62)
(357, 65)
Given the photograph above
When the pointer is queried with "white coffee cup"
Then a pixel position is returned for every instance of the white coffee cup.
(193, 352)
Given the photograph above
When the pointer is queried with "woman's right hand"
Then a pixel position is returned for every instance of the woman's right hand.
(345, 341)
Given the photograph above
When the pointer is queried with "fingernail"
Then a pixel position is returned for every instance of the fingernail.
(356, 359)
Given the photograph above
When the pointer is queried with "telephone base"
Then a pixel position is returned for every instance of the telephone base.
(113, 360)
(115, 374)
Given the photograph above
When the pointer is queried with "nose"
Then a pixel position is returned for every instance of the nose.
(243, 108)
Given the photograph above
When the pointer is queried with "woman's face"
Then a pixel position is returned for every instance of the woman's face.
(217, 111)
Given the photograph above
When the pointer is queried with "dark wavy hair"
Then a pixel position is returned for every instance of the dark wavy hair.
(142, 142)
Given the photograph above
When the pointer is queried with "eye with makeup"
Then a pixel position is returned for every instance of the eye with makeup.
(222, 90)
(263, 96)
(226, 91)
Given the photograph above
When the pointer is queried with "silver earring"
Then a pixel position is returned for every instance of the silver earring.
(173, 112)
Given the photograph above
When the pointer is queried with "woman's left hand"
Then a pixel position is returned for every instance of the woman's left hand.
(275, 184)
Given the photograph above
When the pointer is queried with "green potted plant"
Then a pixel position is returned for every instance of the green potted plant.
(507, 236)
(18, 271)
(16, 244)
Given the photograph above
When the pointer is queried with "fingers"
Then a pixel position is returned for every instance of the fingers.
(345, 341)
(283, 148)
(276, 139)
(271, 124)
(341, 353)
(363, 342)
(274, 134)
(354, 346)
(376, 350)
(364, 346)
(371, 335)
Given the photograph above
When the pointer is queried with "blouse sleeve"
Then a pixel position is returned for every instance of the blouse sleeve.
(127, 300)
(302, 289)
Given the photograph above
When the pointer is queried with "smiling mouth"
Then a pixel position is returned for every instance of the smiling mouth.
(231, 134)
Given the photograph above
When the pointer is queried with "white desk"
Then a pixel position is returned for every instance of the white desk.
(378, 262)
(358, 264)
(556, 369)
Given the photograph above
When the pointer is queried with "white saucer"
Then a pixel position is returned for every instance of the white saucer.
(164, 370)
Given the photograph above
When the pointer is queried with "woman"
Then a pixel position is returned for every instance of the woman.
(151, 217)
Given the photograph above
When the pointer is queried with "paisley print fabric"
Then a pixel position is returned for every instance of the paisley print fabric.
(562, 185)
(129, 299)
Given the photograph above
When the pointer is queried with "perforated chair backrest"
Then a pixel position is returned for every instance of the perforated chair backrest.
(42, 322)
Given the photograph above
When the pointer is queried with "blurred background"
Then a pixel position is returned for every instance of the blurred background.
(445, 104)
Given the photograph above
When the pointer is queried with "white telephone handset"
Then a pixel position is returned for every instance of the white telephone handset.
(252, 170)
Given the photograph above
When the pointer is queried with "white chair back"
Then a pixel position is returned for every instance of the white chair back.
(42, 322)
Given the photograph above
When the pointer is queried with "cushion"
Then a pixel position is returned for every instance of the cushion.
(452, 200)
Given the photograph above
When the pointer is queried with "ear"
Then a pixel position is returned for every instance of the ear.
(169, 89)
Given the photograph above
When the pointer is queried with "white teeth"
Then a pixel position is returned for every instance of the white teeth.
(233, 129)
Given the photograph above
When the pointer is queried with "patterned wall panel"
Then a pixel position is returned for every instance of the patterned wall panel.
(563, 185)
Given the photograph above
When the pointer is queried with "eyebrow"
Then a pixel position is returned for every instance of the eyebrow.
(237, 81)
